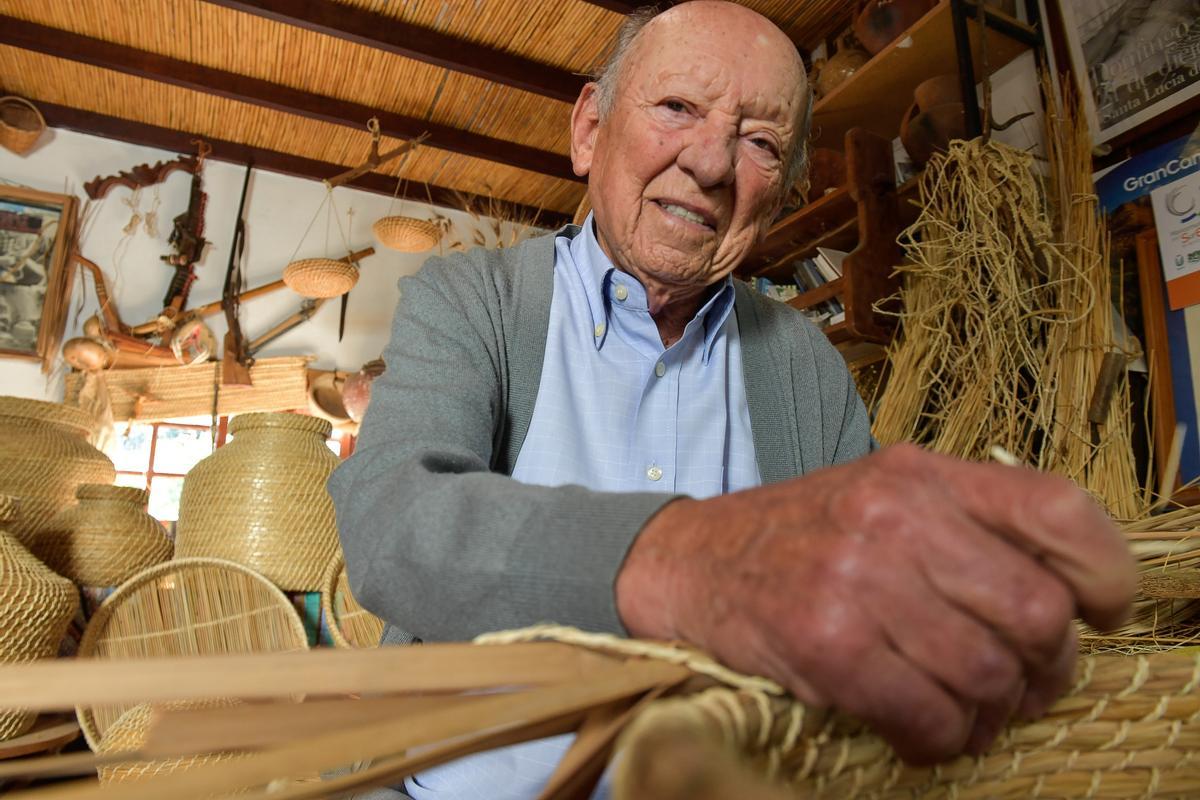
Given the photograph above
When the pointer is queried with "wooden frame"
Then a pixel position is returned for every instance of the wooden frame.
(36, 234)
(1158, 356)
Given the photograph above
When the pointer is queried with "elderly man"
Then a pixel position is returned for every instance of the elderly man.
(601, 428)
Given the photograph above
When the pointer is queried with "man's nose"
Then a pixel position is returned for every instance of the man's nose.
(710, 153)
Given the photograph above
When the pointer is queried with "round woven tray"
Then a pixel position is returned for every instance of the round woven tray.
(128, 734)
(193, 606)
(320, 277)
(406, 234)
(350, 625)
(21, 124)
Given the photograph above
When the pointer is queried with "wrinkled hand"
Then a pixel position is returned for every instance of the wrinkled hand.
(930, 597)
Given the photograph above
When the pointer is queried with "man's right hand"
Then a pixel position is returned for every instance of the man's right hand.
(930, 597)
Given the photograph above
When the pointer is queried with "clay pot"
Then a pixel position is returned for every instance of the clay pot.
(104, 540)
(938, 91)
(356, 393)
(844, 63)
(260, 501)
(883, 21)
(44, 457)
(925, 132)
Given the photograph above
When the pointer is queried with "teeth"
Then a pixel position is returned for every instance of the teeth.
(683, 213)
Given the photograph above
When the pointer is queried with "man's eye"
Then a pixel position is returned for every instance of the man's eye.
(764, 144)
(675, 105)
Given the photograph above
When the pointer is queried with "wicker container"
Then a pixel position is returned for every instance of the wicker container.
(406, 234)
(35, 608)
(261, 501)
(44, 457)
(21, 124)
(104, 540)
(195, 606)
(320, 277)
(129, 734)
(350, 625)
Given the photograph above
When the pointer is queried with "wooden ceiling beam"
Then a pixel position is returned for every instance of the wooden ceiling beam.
(143, 64)
(421, 44)
(146, 135)
(625, 6)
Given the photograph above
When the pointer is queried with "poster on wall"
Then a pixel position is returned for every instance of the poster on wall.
(1134, 58)
(1177, 218)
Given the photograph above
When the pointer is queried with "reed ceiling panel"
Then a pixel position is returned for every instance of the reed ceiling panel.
(68, 83)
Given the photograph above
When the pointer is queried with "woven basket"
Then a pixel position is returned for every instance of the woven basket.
(44, 457)
(104, 540)
(35, 608)
(320, 277)
(196, 606)
(406, 234)
(128, 734)
(350, 625)
(21, 124)
(261, 501)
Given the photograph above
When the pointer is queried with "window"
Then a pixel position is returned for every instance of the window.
(157, 456)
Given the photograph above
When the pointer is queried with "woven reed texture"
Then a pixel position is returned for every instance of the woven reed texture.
(21, 124)
(406, 234)
(261, 501)
(195, 606)
(128, 734)
(320, 277)
(157, 393)
(104, 540)
(35, 608)
(350, 625)
(44, 456)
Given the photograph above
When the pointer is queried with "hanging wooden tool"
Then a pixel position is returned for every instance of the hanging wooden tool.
(141, 176)
(375, 159)
(187, 238)
(235, 361)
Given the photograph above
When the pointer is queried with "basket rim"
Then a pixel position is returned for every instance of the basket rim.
(328, 586)
(87, 643)
(111, 491)
(47, 412)
(280, 420)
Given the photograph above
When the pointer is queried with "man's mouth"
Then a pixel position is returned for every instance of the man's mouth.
(689, 213)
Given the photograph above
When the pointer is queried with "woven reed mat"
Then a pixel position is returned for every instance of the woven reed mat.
(1128, 727)
(154, 393)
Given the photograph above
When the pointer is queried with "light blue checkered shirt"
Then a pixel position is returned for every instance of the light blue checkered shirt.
(617, 412)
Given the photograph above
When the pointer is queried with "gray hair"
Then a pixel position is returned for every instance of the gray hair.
(608, 76)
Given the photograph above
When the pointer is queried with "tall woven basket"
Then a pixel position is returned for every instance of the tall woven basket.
(44, 457)
(21, 124)
(261, 501)
(105, 539)
(35, 607)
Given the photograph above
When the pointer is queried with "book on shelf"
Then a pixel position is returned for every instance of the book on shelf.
(829, 262)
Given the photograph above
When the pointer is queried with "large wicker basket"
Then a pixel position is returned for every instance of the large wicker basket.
(44, 457)
(35, 608)
(261, 501)
(406, 234)
(320, 277)
(21, 124)
(104, 540)
(195, 606)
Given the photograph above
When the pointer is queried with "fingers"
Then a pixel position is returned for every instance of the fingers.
(1049, 684)
(1049, 517)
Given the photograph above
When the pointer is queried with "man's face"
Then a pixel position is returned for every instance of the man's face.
(687, 170)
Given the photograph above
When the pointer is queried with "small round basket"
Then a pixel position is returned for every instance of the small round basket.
(21, 124)
(406, 234)
(128, 734)
(320, 278)
(350, 625)
(192, 606)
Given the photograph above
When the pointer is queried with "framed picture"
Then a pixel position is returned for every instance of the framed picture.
(1133, 60)
(36, 229)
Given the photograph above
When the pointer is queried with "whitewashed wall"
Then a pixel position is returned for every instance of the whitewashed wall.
(278, 210)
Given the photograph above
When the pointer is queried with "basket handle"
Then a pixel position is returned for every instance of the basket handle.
(32, 107)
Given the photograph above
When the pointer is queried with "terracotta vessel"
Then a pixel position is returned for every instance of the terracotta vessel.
(104, 540)
(36, 606)
(260, 501)
(923, 133)
(883, 21)
(844, 63)
(44, 457)
(356, 393)
(938, 91)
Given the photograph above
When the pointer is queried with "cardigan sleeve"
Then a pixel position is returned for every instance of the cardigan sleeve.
(435, 542)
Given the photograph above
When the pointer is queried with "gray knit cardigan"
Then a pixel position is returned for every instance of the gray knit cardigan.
(441, 543)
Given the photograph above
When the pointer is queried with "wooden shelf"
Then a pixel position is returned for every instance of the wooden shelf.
(878, 94)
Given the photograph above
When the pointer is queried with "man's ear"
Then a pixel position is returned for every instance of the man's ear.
(585, 122)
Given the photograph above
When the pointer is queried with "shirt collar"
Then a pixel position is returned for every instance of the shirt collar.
(597, 271)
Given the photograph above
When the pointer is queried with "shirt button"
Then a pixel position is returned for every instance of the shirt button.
(660, 369)
(599, 329)
(621, 292)
(654, 473)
